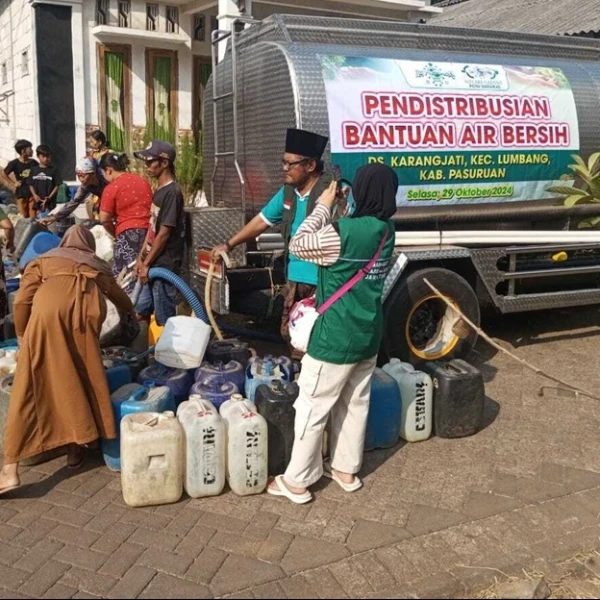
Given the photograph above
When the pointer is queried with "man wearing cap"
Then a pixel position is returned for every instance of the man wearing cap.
(90, 191)
(164, 244)
(303, 167)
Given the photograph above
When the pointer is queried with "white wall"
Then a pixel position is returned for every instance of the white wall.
(16, 36)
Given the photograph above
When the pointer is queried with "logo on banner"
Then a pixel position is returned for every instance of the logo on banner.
(434, 75)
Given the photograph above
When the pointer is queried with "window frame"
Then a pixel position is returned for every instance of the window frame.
(174, 23)
(105, 11)
(195, 24)
(152, 53)
(25, 63)
(196, 102)
(156, 18)
(127, 86)
(124, 14)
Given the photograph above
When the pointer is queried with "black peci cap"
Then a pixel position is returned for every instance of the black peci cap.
(305, 143)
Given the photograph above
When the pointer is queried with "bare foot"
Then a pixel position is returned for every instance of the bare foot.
(273, 486)
(8, 480)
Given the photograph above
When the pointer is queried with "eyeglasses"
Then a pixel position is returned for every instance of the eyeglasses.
(287, 166)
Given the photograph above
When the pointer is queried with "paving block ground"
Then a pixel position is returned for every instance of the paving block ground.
(442, 518)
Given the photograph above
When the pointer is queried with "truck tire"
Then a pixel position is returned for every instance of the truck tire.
(419, 327)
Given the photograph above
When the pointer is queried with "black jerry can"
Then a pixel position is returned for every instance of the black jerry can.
(227, 350)
(458, 398)
(275, 402)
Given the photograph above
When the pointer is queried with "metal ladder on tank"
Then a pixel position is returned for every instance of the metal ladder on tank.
(217, 37)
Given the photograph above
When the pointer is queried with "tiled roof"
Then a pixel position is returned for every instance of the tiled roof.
(527, 16)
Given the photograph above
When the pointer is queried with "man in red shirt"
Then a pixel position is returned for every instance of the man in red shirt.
(124, 210)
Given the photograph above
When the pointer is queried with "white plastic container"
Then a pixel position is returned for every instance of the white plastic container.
(183, 343)
(105, 243)
(8, 362)
(112, 322)
(11, 301)
(247, 455)
(151, 459)
(416, 391)
(204, 447)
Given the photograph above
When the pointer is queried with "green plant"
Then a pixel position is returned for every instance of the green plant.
(189, 168)
(589, 192)
(589, 173)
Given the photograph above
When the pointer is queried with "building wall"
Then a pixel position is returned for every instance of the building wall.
(16, 37)
(138, 62)
(138, 56)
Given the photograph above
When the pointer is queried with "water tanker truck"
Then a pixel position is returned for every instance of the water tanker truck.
(478, 125)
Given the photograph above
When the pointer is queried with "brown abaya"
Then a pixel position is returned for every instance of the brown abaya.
(60, 393)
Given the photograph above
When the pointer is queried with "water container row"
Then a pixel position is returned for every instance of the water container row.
(448, 399)
(198, 451)
(218, 379)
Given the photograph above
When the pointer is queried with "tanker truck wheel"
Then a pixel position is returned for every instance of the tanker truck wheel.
(420, 327)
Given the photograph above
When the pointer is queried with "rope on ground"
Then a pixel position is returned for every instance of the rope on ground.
(577, 390)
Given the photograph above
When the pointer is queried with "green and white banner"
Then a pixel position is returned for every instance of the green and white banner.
(455, 133)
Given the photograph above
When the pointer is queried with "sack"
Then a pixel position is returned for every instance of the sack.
(303, 317)
(304, 313)
(118, 329)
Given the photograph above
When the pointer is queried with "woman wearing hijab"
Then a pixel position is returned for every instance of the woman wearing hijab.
(90, 191)
(342, 352)
(60, 394)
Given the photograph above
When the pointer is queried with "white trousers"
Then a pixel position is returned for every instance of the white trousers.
(344, 391)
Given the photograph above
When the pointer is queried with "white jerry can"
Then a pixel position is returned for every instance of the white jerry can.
(151, 459)
(204, 447)
(183, 343)
(247, 450)
(416, 391)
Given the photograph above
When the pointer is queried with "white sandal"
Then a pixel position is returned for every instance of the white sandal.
(347, 487)
(286, 493)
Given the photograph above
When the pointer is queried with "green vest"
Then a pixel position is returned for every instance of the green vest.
(351, 330)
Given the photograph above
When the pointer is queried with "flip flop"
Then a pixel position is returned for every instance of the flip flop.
(283, 491)
(347, 487)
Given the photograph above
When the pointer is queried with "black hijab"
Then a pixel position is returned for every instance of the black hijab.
(374, 191)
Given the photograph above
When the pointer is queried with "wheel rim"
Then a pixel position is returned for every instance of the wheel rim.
(429, 329)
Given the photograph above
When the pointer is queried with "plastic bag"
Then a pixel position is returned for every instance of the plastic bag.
(303, 317)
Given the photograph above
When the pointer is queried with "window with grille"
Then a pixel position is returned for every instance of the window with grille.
(4, 73)
(124, 13)
(102, 12)
(199, 28)
(172, 19)
(152, 17)
(25, 63)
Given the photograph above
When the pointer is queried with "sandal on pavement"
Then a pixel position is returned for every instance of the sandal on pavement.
(286, 493)
(347, 487)
(9, 488)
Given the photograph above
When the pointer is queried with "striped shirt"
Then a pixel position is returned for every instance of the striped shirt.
(316, 240)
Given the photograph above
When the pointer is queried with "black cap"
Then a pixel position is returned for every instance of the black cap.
(305, 143)
(157, 149)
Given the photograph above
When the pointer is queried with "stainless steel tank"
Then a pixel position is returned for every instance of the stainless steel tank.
(280, 84)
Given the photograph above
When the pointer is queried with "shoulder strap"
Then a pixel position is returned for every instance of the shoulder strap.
(362, 273)
(314, 195)
(289, 198)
